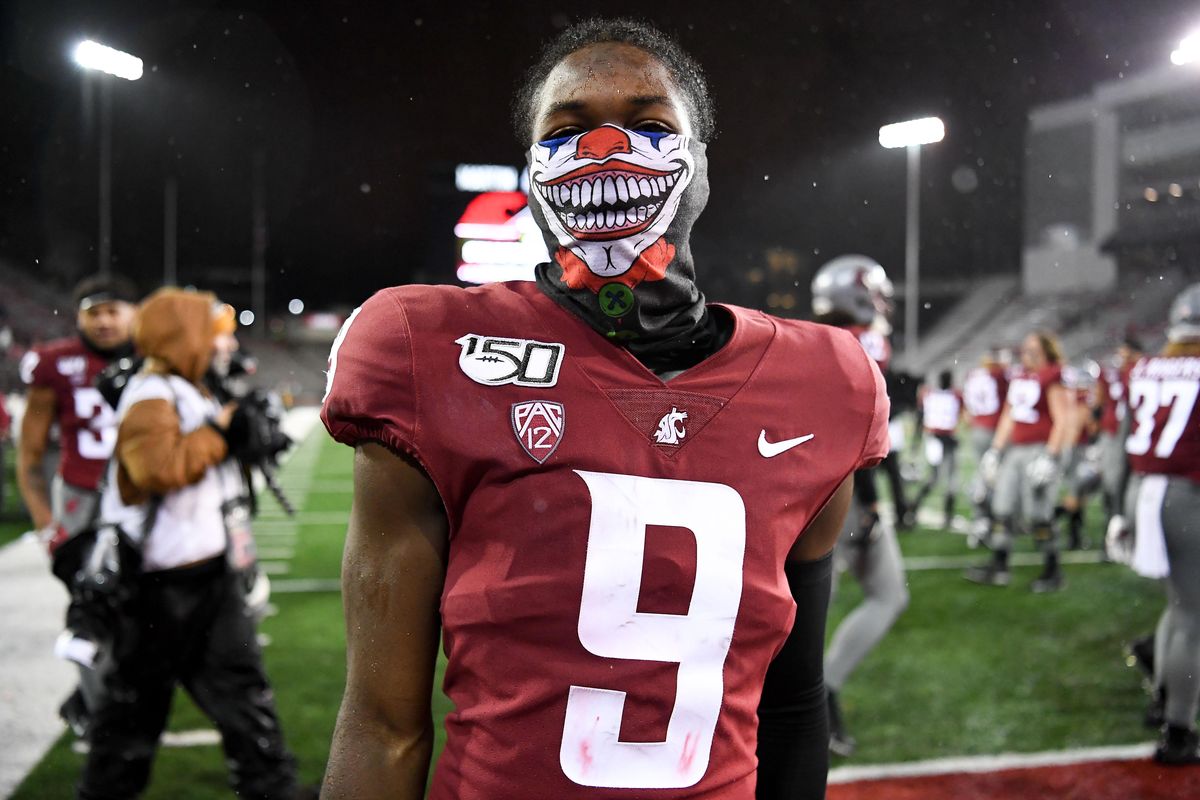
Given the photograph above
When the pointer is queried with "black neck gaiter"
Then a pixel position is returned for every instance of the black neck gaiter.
(616, 208)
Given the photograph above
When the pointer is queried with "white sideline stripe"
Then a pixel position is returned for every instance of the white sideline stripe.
(275, 567)
(923, 563)
(1003, 761)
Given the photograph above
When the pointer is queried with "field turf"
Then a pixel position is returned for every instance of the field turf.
(966, 670)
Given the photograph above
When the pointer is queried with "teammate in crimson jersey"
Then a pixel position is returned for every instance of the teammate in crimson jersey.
(853, 292)
(1023, 461)
(615, 515)
(984, 390)
(1081, 475)
(61, 377)
(1114, 425)
(1164, 506)
(941, 411)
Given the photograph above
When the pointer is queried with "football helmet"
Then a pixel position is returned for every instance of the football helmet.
(1185, 315)
(855, 286)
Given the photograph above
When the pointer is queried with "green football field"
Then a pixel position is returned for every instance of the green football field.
(966, 670)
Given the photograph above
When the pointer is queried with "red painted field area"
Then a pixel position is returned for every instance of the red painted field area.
(1096, 780)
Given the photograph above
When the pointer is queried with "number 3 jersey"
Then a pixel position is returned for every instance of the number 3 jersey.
(614, 589)
(87, 425)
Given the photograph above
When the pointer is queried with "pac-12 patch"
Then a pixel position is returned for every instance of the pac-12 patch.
(496, 361)
(538, 425)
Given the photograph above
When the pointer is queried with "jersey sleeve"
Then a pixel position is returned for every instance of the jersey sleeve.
(370, 392)
(878, 442)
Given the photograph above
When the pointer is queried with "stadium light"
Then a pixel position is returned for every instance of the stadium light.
(296, 306)
(93, 55)
(914, 132)
(911, 135)
(1188, 51)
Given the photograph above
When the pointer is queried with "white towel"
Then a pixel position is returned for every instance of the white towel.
(1150, 545)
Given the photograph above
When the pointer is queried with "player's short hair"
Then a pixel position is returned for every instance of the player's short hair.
(1132, 342)
(945, 379)
(104, 289)
(683, 68)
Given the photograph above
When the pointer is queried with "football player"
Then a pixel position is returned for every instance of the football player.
(597, 490)
(941, 411)
(1024, 462)
(850, 292)
(983, 398)
(1081, 477)
(1114, 425)
(1164, 513)
(61, 376)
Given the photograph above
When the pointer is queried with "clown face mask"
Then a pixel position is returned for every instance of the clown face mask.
(616, 208)
(608, 195)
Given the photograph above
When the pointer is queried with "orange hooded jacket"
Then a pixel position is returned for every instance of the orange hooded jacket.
(174, 330)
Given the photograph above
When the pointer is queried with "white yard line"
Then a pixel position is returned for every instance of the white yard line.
(305, 585)
(972, 764)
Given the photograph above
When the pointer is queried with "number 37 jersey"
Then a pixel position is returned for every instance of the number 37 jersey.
(1165, 436)
(614, 589)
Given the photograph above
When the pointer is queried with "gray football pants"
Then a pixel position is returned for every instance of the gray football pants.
(879, 570)
(1015, 498)
(1114, 470)
(1177, 639)
(979, 440)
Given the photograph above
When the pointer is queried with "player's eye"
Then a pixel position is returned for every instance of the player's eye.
(654, 126)
(560, 137)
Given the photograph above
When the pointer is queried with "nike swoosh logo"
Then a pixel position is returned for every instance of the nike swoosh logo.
(772, 449)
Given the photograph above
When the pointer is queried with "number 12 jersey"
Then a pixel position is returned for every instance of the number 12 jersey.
(614, 590)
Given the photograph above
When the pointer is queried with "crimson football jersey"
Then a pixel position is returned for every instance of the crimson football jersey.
(1165, 437)
(984, 391)
(614, 588)
(878, 346)
(87, 425)
(1028, 405)
(1112, 399)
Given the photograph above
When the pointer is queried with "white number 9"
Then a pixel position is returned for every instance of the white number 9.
(610, 626)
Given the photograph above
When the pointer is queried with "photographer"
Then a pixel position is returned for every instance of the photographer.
(180, 501)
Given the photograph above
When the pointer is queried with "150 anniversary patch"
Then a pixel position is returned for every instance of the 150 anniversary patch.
(496, 361)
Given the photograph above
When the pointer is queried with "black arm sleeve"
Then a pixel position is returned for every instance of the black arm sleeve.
(865, 491)
(793, 724)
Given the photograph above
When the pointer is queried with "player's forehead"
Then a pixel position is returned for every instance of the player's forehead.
(608, 74)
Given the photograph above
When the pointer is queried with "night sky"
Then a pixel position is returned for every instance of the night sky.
(360, 112)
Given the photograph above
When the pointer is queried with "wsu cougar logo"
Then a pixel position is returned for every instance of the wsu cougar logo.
(609, 195)
(670, 427)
